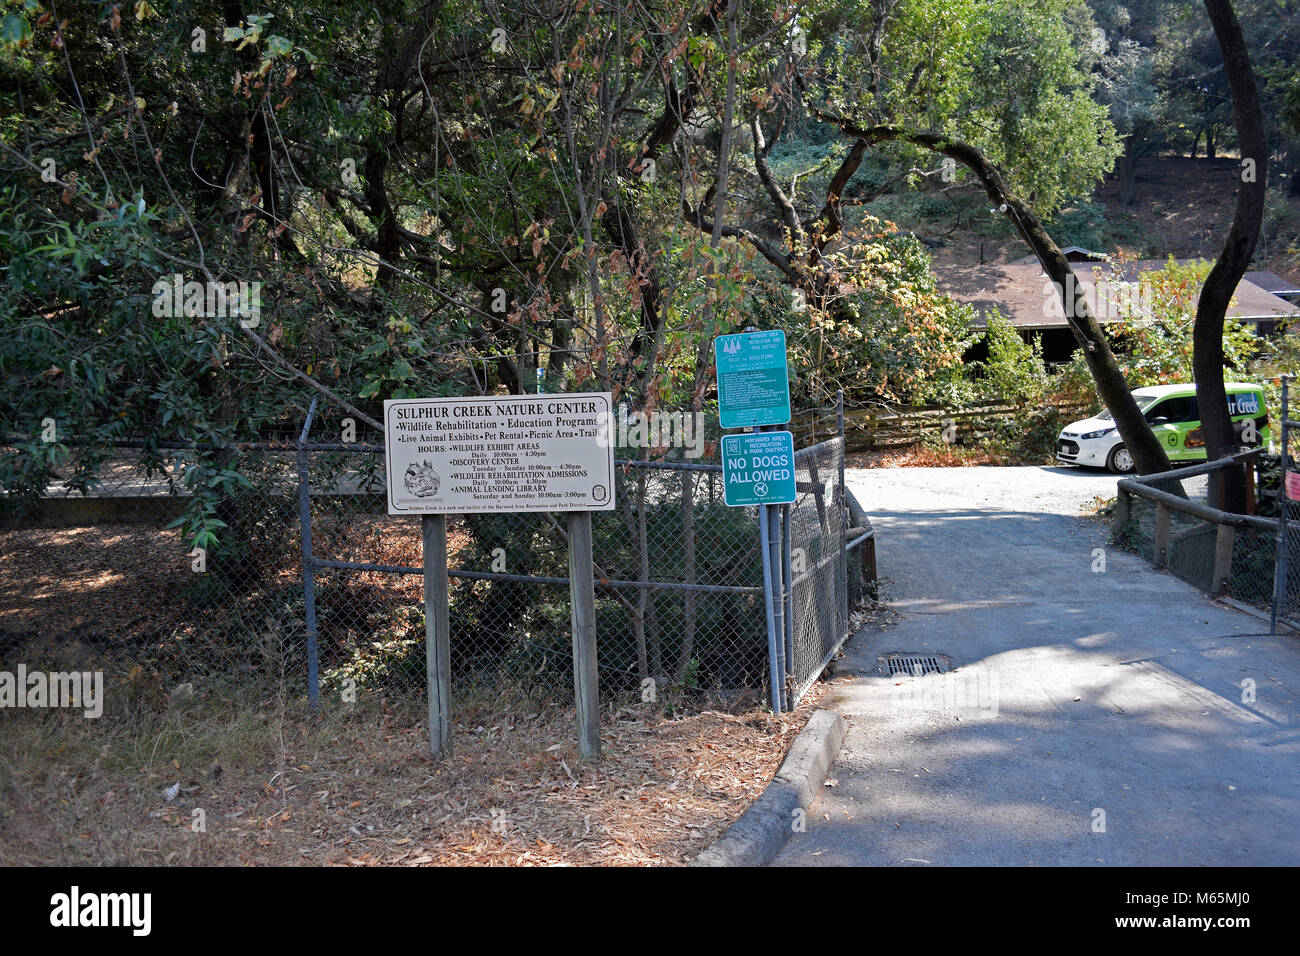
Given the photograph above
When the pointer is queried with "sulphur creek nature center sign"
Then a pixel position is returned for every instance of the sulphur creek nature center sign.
(500, 454)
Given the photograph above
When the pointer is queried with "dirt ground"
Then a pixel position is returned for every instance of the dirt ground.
(91, 594)
(924, 456)
(1184, 208)
(259, 781)
(265, 786)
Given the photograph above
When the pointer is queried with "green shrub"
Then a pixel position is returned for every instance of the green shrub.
(1014, 370)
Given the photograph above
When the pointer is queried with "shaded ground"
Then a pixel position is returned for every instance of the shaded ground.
(121, 593)
(357, 787)
(354, 786)
(1092, 717)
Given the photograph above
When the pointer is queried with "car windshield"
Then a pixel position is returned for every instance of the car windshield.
(1143, 404)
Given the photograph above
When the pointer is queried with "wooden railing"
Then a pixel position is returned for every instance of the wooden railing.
(1167, 502)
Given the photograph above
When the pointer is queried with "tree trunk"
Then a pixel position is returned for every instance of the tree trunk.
(1148, 455)
(1127, 168)
(387, 241)
(1207, 333)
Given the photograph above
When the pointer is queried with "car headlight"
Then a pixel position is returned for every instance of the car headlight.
(1098, 434)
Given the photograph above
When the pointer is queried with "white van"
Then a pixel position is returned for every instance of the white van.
(1172, 413)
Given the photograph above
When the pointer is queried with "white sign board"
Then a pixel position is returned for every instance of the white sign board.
(502, 453)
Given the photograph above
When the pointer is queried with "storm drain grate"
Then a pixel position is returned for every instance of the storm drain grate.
(914, 665)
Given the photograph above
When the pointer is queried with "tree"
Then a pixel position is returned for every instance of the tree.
(1124, 83)
(448, 196)
(1216, 294)
(1154, 337)
(1148, 455)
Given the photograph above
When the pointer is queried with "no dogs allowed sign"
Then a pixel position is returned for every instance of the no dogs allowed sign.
(758, 469)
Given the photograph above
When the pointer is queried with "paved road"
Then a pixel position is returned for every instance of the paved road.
(1089, 718)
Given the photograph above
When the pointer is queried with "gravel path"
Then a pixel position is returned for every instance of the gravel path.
(1091, 717)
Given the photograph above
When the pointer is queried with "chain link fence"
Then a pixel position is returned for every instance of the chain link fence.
(678, 589)
(819, 592)
(1288, 603)
(1274, 474)
(1220, 553)
(100, 578)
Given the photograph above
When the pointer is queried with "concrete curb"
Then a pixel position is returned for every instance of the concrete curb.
(757, 837)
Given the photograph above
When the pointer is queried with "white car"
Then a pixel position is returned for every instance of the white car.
(1094, 441)
(1173, 415)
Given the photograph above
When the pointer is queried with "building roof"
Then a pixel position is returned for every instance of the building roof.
(1023, 293)
(1072, 253)
(1275, 284)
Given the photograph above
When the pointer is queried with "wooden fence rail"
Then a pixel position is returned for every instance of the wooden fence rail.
(867, 429)
(1226, 523)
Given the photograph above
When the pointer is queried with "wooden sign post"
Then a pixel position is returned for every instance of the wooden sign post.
(437, 632)
(582, 601)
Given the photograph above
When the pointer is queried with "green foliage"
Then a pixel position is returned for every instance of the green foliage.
(1014, 370)
(1010, 78)
(1031, 437)
(392, 654)
(382, 171)
(1046, 401)
(898, 338)
(1279, 355)
(1091, 225)
(1153, 340)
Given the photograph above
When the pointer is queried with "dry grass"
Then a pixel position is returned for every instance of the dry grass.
(356, 786)
(925, 456)
(351, 786)
(1099, 509)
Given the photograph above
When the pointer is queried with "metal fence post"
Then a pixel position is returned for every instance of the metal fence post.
(308, 568)
(778, 593)
(843, 522)
(787, 601)
(773, 665)
(1283, 507)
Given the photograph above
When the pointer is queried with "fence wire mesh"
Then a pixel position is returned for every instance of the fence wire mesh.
(102, 578)
(1192, 544)
(678, 599)
(1287, 585)
(819, 597)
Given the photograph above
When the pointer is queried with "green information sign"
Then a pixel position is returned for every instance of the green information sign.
(753, 382)
(758, 469)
